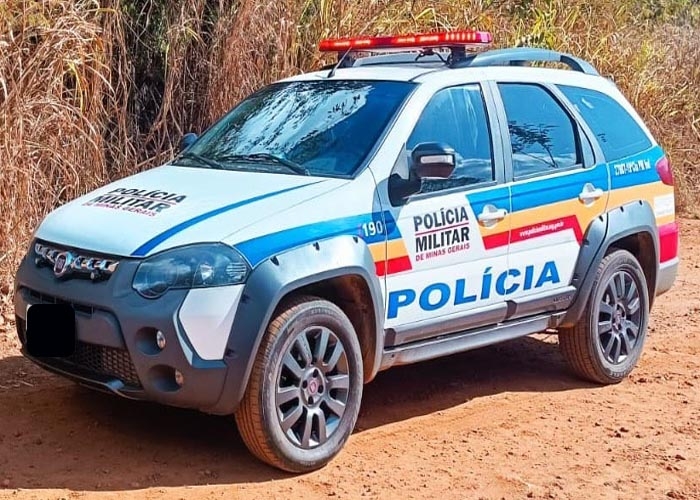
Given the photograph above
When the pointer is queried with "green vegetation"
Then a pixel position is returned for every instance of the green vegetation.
(94, 90)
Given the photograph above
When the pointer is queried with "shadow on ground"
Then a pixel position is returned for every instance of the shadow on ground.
(57, 435)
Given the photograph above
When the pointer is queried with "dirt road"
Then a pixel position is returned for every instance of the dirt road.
(502, 422)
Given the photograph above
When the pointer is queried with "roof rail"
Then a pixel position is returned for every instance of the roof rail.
(517, 55)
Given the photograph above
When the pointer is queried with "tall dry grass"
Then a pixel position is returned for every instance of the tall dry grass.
(56, 101)
(92, 90)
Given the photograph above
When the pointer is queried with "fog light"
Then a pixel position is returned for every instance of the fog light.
(179, 378)
(160, 340)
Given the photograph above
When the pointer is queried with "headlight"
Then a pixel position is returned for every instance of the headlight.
(196, 266)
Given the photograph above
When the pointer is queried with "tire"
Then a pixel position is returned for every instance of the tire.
(310, 425)
(606, 343)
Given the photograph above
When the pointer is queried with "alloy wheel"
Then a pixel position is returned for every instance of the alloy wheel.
(313, 382)
(619, 317)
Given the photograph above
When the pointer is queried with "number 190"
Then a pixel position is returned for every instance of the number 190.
(373, 228)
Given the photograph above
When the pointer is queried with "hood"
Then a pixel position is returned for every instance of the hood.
(171, 206)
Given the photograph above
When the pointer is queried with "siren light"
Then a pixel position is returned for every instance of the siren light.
(422, 40)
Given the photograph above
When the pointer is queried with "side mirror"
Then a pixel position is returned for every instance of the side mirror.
(187, 140)
(433, 159)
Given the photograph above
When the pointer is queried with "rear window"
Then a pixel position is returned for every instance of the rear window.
(618, 133)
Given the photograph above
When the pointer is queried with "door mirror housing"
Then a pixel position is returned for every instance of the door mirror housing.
(187, 140)
(433, 159)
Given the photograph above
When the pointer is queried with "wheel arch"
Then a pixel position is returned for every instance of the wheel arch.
(351, 293)
(631, 227)
(641, 245)
(338, 269)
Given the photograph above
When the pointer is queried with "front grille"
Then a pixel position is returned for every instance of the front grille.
(104, 361)
(50, 299)
(67, 263)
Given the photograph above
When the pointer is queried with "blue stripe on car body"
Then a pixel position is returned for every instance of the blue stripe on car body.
(258, 249)
(536, 193)
(160, 238)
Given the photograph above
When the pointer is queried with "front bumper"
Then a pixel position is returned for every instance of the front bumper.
(115, 329)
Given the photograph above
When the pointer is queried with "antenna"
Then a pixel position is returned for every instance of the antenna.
(337, 65)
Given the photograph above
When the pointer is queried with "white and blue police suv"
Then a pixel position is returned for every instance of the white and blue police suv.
(389, 209)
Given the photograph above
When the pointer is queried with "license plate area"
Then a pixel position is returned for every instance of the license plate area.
(50, 330)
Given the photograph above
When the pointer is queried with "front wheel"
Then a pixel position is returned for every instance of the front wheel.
(304, 392)
(607, 342)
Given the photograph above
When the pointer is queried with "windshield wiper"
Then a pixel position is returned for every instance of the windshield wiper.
(268, 157)
(202, 159)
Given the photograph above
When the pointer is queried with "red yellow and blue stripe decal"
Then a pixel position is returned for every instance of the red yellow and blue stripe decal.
(538, 208)
(542, 207)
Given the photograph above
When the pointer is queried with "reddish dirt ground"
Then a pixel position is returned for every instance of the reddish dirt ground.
(507, 421)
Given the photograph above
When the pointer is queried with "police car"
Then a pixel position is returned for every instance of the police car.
(420, 197)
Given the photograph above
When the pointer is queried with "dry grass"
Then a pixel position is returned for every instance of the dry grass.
(91, 91)
(55, 101)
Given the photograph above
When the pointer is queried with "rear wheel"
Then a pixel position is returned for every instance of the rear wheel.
(303, 396)
(607, 342)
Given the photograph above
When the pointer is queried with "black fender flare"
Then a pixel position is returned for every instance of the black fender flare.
(275, 278)
(626, 220)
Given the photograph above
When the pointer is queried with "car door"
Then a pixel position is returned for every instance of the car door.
(557, 189)
(440, 276)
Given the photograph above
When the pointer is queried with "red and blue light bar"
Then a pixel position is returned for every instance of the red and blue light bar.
(422, 40)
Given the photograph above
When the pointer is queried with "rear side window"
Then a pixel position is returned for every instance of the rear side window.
(618, 133)
(542, 135)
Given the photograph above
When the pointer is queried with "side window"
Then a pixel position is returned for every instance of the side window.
(618, 133)
(457, 116)
(542, 135)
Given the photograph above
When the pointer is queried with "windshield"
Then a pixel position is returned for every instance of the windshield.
(325, 128)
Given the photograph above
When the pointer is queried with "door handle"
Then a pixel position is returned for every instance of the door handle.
(490, 215)
(590, 193)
